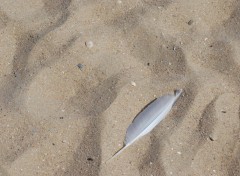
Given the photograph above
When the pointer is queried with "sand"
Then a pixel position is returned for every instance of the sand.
(74, 74)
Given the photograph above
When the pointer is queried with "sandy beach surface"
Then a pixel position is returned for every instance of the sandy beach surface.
(75, 73)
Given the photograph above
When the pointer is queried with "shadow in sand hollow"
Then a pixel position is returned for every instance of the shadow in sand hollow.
(21, 73)
(87, 158)
(92, 102)
(151, 163)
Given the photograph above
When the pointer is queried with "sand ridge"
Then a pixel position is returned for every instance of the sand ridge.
(57, 119)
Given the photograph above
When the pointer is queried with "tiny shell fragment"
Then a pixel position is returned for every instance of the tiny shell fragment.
(133, 83)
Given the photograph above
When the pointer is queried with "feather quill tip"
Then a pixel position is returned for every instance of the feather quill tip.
(178, 92)
(117, 153)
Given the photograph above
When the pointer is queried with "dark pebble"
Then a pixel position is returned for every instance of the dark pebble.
(90, 159)
(211, 138)
(80, 66)
(190, 22)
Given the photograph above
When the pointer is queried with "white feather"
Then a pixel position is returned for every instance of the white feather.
(150, 117)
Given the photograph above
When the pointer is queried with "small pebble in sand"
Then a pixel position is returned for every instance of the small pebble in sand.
(89, 159)
(119, 2)
(133, 83)
(89, 44)
(80, 66)
(213, 137)
(179, 153)
(190, 22)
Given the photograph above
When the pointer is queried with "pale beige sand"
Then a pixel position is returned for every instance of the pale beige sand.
(57, 119)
